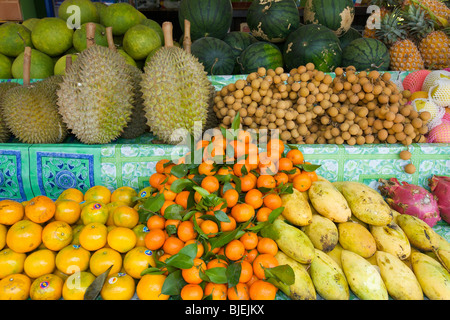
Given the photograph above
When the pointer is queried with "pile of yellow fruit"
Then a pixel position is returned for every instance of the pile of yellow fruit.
(56, 249)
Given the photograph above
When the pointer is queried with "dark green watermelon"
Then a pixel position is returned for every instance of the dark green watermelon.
(336, 15)
(366, 54)
(349, 36)
(260, 54)
(313, 43)
(272, 20)
(208, 18)
(216, 55)
(239, 41)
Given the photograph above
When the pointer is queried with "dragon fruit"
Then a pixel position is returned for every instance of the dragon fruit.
(411, 199)
(440, 187)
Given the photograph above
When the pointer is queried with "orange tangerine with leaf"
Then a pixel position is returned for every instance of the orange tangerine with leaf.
(76, 284)
(150, 287)
(104, 258)
(137, 260)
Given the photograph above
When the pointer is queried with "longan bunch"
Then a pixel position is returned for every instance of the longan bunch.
(374, 109)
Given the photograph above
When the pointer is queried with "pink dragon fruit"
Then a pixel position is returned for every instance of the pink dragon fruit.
(440, 187)
(411, 199)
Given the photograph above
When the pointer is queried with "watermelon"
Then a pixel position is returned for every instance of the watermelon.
(208, 18)
(337, 15)
(366, 54)
(239, 41)
(349, 36)
(313, 43)
(260, 54)
(272, 20)
(216, 55)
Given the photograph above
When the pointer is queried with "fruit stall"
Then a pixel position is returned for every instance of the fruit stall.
(299, 157)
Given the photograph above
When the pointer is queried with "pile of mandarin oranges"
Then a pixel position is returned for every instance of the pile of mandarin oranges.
(192, 234)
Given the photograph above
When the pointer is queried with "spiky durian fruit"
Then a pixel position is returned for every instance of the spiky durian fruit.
(30, 111)
(137, 125)
(176, 92)
(32, 116)
(95, 96)
(5, 134)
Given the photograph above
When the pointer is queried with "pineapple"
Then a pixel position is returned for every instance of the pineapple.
(435, 9)
(435, 50)
(434, 45)
(404, 54)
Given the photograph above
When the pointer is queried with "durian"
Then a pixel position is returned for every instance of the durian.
(176, 91)
(5, 134)
(137, 125)
(30, 111)
(95, 96)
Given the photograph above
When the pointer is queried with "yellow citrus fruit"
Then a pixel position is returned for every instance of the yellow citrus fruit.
(72, 194)
(118, 286)
(146, 192)
(3, 231)
(125, 194)
(46, 287)
(56, 235)
(72, 258)
(40, 209)
(418, 94)
(121, 239)
(76, 230)
(60, 274)
(141, 231)
(93, 236)
(125, 216)
(11, 262)
(94, 212)
(111, 206)
(137, 260)
(24, 236)
(39, 262)
(10, 212)
(75, 285)
(149, 287)
(67, 210)
(15, 287)
(102, 259)
(98, 193)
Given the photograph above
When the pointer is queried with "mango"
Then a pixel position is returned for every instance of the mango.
(328, 201)
(432, 276)
(392, 239)
(356, 238)
(400, 280)
(291, 240)
(303, 287)
(363, 278)
(297, 210)
(366, 203)
(420, 234)
(322, 232)
(328, 277)
(335, 254)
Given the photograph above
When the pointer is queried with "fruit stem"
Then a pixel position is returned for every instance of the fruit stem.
(187, 41)
(167, 31)
(26, 66)
(90, 34)
(110, 39)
